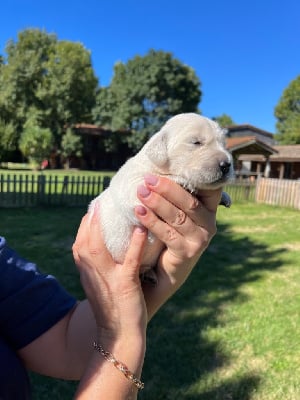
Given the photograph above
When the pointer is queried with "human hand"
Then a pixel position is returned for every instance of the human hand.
(113, 290)
(185, 224)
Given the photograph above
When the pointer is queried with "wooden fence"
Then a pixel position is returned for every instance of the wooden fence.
(280, 192)
(241, 191)
(33, 190)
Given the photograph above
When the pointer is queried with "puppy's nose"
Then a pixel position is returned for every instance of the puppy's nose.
(225, 167)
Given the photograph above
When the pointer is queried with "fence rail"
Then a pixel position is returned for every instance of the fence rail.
(241, 191)
(280, 192)
(32, 190)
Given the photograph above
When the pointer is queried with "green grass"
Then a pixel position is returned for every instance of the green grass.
(230, 333)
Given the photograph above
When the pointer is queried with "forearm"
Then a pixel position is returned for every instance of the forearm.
(103, 380)
(68, 349)
(170, 279)
(156, 297)
(67, 346)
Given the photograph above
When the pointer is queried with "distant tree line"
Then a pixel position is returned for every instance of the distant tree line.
(49, 85)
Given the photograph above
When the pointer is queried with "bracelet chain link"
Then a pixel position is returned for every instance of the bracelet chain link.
(119, 365)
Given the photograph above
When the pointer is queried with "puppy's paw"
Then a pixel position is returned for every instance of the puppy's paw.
(149, 277)
(225, 200)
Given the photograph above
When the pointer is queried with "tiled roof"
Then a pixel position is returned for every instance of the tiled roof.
(248, 127)
(239, 143)
(286, 153)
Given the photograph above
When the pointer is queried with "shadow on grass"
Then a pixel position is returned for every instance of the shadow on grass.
(182, 360)
(180, 356)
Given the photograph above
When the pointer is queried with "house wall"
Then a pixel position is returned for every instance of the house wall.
(285, 170)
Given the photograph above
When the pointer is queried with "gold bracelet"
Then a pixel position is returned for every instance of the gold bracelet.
(119, 365)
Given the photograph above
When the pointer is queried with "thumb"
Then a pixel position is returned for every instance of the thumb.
(135, 250)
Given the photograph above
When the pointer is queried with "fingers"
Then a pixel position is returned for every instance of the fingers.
(162, 230)
(183, 200)
(96, 245)
(158, 206)
(174, 193)
(178, 208)
(89, 249)
(135, 250)
(89, 242)
(80, 238)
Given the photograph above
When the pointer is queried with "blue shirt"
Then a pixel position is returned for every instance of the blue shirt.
(30, 304)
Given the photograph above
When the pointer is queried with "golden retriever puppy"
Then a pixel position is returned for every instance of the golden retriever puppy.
(189, 149)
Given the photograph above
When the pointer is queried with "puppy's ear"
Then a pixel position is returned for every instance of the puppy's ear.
(156, 149)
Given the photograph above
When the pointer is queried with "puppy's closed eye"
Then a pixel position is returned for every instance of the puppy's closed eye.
(197, 141)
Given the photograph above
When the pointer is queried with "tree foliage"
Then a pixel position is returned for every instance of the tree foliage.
(287, 113)
(144, 93)
(224, 120)
(71, 145)
(8, 138)
(47, 84)
(35, 142)
(54, 77)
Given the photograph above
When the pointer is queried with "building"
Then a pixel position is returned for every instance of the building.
(285, 164)
(255, 153)
(94, 154)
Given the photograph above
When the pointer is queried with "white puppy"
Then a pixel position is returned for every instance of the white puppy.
(189, 149)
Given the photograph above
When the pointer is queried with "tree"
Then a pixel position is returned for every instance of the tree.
(22, 73)
(35, 142)
(69, 87)
(144, 93)
(287, 113)
(54, 77)
(71, 145)
(224, 120)
(8, 139)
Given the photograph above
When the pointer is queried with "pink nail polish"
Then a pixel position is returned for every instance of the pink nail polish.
(151, 179)
(140, 229)
(141, 210)
(143, 191)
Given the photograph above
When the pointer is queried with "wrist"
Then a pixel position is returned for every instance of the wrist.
(129, 343)
(119, 365)
(119, 362)
(114, 337)
(126, 356)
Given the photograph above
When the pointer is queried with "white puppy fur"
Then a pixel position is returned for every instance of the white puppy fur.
(189, 149)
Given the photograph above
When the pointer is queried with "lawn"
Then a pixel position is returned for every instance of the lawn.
(231, 332)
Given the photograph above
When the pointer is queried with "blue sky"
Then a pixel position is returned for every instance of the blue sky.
(245, 53)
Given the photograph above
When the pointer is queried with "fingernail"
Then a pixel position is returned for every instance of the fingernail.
(143, 191)
(140, 229)
(151, 179)
(141, 210)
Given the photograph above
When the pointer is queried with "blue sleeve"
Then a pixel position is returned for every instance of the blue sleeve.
(30, 302)
(14, 381)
